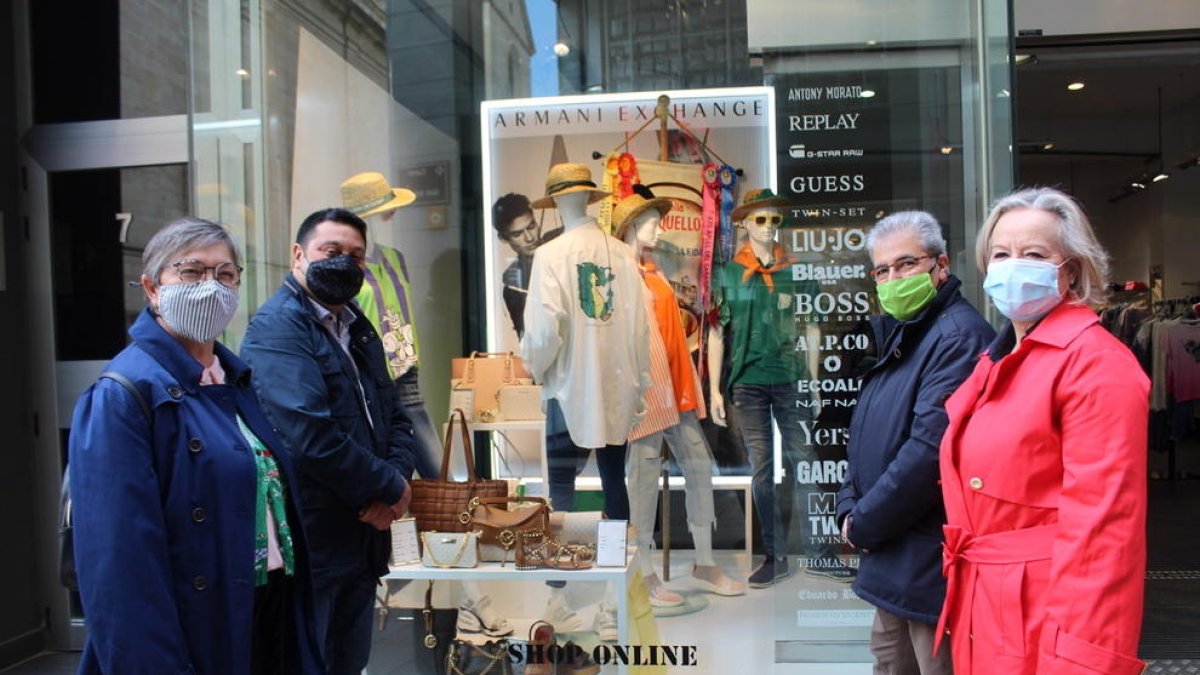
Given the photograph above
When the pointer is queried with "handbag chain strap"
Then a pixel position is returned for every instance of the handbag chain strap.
(495, 657)
(430, 640)
(462, 548)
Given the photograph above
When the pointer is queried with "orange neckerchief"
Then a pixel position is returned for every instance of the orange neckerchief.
(747, 259)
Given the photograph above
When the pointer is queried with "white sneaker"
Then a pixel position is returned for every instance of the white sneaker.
(606, 623)
(560, 615)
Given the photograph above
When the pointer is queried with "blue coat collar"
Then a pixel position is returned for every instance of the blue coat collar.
(170, 354)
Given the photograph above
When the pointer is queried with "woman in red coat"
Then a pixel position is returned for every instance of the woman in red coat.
(1044, 462)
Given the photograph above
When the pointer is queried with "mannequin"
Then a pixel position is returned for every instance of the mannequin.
(676, 405)
(586, 343)
(385, 300)
(753, 292)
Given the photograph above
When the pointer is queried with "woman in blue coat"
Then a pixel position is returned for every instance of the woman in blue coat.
(188, 548)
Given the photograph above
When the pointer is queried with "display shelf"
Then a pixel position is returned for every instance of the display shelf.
(491, 571)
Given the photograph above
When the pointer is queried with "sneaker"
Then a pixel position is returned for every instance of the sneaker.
(722, 586)
(477, 616)
(829, 567)
(560, 615)
(771, 571)
(606, 623)
(470, 622)
(660, 596)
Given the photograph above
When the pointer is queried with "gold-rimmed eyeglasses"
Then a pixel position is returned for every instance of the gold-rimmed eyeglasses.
(194, 271)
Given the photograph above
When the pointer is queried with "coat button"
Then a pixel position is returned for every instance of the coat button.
(175, 392)
(198, 514)
(195, 445)
(200, 583)
(976, 483)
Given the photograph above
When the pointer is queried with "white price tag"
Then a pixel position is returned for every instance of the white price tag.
(405, 550)
(610, 543)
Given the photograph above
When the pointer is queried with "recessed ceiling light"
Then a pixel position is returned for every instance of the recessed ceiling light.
(1075, 86)
(867, 93)
(1137, 186)
(1003, 93)
(872, 43)
(1048, 146)
(1161, 177)
(946, 149)
(242, 73)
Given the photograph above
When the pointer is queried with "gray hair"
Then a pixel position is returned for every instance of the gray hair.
(180, 236)
(1075, 236)
(920, 223)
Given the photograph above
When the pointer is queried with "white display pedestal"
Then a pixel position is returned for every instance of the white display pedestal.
(490, 571)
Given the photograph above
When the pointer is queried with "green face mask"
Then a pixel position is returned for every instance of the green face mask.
(905, 298)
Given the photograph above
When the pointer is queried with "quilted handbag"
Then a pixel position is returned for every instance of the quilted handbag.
(450, 549)
(485, 373)
(575, 527)
(501, 528)
(440, 504)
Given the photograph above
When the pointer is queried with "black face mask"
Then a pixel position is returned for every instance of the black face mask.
(334, 281)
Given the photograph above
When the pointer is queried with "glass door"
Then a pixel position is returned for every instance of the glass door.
(88, 224)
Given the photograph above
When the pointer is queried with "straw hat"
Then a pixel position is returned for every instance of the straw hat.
(368, 193)
(565, 179)
(628, 209)
(758, 199)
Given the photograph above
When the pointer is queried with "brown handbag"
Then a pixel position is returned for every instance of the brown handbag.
(441, 504)
(500, 530)
(485, 373)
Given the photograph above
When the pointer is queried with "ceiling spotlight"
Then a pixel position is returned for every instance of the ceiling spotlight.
(1047, 146)
(1075, 86)
(1022, 59)
(561, 48)
(867, 93)
(1161, 176)
(872, 43)
(1003, 93)
(242, 73)
(946, 149)
(1137, 186)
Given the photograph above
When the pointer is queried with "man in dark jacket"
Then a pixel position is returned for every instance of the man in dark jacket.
(320, 374)
(890, 505)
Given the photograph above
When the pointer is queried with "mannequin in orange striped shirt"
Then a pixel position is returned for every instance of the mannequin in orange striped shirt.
(675, 404)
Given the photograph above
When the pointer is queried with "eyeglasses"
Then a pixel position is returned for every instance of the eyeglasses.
(194, 271)
(901, 267)
(762, 220)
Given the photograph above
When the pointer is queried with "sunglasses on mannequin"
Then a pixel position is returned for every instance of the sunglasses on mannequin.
(763, 220)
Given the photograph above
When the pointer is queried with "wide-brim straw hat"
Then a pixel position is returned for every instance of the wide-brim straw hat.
(628, 209)
(759, 199)
(368, 193)
(567, 178)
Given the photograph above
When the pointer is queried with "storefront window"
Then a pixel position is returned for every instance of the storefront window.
(842, 115)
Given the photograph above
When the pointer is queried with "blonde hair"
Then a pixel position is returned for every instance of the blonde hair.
(1075, 236)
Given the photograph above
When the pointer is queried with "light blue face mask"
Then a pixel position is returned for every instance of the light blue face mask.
(1023, 290)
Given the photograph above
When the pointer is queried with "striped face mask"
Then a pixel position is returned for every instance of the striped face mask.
(197, 312)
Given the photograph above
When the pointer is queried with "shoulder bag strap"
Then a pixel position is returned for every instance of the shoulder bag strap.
(133, 391)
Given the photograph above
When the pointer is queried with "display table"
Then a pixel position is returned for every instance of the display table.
(490, 571)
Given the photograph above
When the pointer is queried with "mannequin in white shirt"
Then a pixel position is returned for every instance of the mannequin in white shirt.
(666, 421)
(572, 208)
